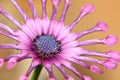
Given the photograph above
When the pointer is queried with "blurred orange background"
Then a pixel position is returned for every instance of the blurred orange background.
(105, 10)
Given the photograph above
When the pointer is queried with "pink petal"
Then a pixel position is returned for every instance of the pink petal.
(1, 8)
(110, 64)
(48, 63)
(22, 37)
(23, 53)
(27, 31)
(70, 78)
(96, 69)
(32, 54)
(53, 24)
(102, 26)
(89, 8)
(63, 33)
(38, 24)
(23, 77)
(56, 1)
(86, 78)
(58, 28)
(70, 52)
(1, 62)
(70, 44)
(115, 55)
(11, 63)
(69, 38)
(45, 25)
(51, 78)
(36, 61)
(23, 46)
(31, 24)
(110, 40)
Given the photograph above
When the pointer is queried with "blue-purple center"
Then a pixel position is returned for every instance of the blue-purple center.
(46, 46)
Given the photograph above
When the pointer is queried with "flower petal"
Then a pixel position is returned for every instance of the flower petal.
(31, 25)
(38, 24)
(45, 25)
(23, 77)
(1, 62)
(12, 63)
(58, 28)
(53, 24)
(110, 40)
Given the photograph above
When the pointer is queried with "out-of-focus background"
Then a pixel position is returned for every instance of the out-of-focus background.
(105, 10)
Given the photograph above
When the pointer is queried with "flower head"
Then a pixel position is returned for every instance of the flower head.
(49, 42)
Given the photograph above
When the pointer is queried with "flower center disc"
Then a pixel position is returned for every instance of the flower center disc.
(46, 46)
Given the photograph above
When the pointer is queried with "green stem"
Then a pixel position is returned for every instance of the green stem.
(37, 72)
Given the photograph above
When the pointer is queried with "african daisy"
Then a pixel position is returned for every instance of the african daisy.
(49, 42)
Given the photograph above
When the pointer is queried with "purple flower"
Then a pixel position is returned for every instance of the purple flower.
(49, 42)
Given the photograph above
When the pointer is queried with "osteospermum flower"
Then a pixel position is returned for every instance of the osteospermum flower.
(49, 42)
